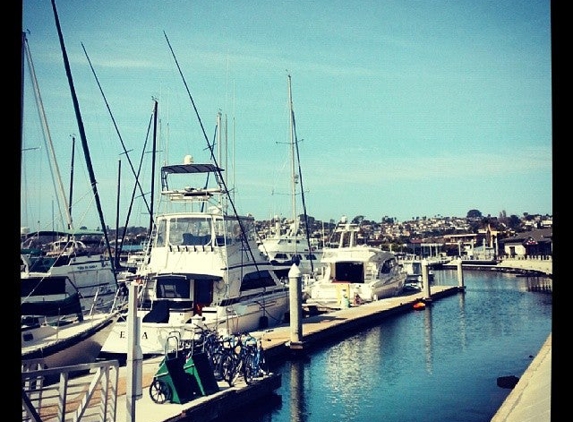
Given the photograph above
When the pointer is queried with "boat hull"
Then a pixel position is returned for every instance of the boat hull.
(340, 295)
(157, 338)
(78, 343)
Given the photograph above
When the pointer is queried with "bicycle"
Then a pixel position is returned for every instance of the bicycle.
(255, 363)
(234, 358)
(210, 342)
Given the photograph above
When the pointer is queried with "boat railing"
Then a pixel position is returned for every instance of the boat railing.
(71, 397)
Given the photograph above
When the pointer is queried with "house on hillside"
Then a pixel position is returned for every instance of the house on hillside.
(533, 243)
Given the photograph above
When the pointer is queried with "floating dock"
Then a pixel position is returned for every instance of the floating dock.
(316, 329)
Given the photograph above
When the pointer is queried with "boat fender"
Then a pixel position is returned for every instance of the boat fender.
(219, 285)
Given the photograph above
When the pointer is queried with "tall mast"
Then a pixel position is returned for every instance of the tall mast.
(298, 175)
(292, 155)
(55, 170)
(82, 133)
(153, 167)
(72, 179)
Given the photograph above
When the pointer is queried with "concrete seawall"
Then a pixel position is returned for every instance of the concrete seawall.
(530, 399)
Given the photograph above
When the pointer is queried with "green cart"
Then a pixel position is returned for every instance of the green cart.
(182, 375)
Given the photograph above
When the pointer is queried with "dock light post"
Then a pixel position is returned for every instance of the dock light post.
(134, 362)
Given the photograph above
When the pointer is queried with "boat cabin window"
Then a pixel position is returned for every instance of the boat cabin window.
(40, 286)
(219, 232)
(41, 264)
(387, 266)
(161, 234)
(173, 288)
(190, 231)
(233, 229)
(256, 280)
(349, 272)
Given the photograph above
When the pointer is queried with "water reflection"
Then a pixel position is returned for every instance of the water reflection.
(428, 338)
(297, 391)
(355, 378)
(437, 364)
(462, 320)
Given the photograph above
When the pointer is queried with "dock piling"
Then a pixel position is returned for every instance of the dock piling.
(460, 273)
(426, 280)
(295, 297)
(134, 355)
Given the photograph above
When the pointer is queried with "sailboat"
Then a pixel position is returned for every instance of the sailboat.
(68, 295)
(291, 243)
(77, 255)
(55, 329)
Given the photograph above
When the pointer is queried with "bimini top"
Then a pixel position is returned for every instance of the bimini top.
(202, 192)
(190, 168)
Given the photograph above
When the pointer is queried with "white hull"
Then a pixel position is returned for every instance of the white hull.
(353, 272)
(413, 269)
(333, 294)
(203, 264)
(157, 338)
(79, 342)
(92, 275)
(55, 329)
(284, 250)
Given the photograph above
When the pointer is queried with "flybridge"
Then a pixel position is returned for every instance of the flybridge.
(192, 193)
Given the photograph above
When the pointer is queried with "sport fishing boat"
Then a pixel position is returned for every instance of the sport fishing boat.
(202, 265)
(353, 272)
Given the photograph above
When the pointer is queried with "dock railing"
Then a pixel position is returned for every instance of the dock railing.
(69, 397)
(542, 264)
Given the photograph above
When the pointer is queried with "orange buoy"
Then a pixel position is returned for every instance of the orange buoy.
(419, 305)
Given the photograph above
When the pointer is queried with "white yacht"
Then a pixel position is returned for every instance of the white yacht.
(353, 272)
(413, 268)
(285, 247)
(202, 265)
(71, 255)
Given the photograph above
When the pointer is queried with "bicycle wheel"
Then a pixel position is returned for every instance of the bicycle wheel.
(250, 368)
(159, 391)
(263, 365)
(229, 368)
(216, 362)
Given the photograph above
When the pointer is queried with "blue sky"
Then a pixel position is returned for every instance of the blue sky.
(403, 108)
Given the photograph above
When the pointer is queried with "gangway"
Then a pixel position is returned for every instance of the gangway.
(70, 397)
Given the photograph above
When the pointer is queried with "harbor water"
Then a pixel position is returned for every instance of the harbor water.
(438, 364)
